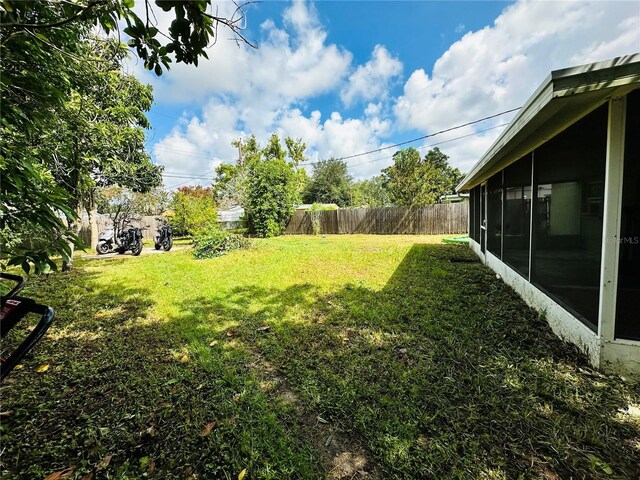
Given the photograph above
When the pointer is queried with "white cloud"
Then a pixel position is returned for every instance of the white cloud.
(243, 91)
(293, 64)
(371, 81)
(627, 41)
(498, 67)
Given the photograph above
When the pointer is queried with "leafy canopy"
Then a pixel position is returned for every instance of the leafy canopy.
(194, 211)
(46, 77)
(193, 29)
(66, 147)
(274, 184)
(370, 193)
(414, 181)
(330, 183)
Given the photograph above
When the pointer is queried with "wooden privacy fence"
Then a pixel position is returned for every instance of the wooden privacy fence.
(444, 218)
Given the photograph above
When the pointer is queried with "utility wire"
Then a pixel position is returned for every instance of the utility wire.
(186, 153)
(193, 178)
(423, 136)
(190, 180)
(432, 144)
(196, 177)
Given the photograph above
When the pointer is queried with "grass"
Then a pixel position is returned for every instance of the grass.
(343, 357)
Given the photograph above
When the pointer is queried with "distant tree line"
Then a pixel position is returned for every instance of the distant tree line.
(269, 182)
(411, 180)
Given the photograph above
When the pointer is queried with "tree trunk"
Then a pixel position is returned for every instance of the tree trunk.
(74, 225)
(92, 211)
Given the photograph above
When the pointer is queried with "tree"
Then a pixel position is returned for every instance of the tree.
(123, 204)
(42, 46)
(120, 204)
(229, 184)
(194, 211)
(98, 139)
(94, 138)
(274, 184)
(154, 202)
(412, 181)
(191, 32)
(370, 193)
(330, 183)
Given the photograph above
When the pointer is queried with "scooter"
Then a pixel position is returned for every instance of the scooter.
(105, 242)
(13, 309)
(164, 238)
(130, 239)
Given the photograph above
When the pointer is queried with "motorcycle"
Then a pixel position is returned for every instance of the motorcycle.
(105, 242)
(130, 239)
(164, 238)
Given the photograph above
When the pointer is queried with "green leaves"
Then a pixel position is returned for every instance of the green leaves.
(194, 211)
(413, 181)
(71, 121)
(273, 185)
(330, 183)
(52, 163)
(216, 243)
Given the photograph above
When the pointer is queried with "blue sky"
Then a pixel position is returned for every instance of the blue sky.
(348, 77)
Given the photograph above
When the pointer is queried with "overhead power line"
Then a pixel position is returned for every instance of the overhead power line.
(355, 155)
(433, 144)
(423, 136)
(191, 180)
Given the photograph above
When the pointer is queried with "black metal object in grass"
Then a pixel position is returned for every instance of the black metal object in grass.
(13, 309)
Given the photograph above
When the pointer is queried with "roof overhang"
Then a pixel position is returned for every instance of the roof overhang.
(563, 98)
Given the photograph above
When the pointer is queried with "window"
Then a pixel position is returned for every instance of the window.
(494, 215)
(627, 316)
(474, 213)
(517, 215)
(567, 226)
(471, 214)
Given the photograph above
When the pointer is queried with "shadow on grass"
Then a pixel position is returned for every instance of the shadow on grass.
(445, 372)
(442, 373)
(123, 398)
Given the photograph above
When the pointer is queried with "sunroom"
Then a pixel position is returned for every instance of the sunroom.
(555, 208)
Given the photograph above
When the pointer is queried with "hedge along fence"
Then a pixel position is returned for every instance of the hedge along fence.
(446, 218)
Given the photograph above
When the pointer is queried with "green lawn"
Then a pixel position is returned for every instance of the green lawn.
(373, 357)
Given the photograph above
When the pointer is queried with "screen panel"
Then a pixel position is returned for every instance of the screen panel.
(569, 199)
(627, 311)
(475, 194)
(494, 215)
(517, 215)
(472, 211)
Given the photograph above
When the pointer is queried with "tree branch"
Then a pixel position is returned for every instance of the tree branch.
(59, 23)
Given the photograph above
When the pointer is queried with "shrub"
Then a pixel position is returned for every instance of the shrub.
(273, 185)
(194, 211)
(314, 214)
(217, 243)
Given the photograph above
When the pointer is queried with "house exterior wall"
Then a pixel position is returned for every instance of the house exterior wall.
(562, 322)
(574, 215)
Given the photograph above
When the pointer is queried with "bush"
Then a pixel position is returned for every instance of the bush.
(194, 211)
(217, 243)
(314, 213)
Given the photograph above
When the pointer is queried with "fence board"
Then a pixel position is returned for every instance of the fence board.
(447, 218)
